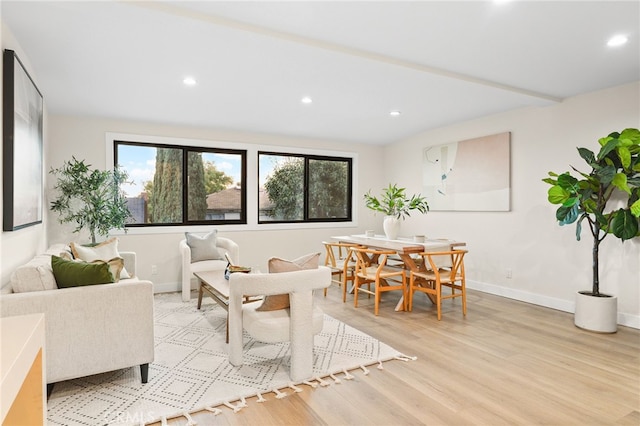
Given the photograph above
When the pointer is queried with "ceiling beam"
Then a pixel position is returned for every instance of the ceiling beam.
(333, 47)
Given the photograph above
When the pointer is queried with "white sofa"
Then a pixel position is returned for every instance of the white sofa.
(224, 245)
(89, 329)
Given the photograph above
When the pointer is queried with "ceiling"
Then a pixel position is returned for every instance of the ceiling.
(436, 62)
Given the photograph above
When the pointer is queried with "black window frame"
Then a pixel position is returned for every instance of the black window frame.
(185, 150)
(307, 158)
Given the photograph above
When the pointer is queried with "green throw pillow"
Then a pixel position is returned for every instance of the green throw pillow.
(69, 273)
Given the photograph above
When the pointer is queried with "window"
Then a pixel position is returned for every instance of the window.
(183, 185)
(304, 188)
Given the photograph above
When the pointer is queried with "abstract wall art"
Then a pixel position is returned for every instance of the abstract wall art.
(22, 146)
(469, 175)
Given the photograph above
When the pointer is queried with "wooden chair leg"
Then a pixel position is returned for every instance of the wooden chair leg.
(356, 286)
(464, 299)
(345, 280)
(410, 293)
(376, 299)
(344, 291)
(404, 294)
(438, 299)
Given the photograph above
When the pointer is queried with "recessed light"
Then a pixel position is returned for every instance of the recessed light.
(617, 40)
(394, 113)
(306, 100)
(189, 81)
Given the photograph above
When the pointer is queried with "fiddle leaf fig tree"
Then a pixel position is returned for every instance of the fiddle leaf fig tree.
(607, 196)
(93, 199)
(394, 202)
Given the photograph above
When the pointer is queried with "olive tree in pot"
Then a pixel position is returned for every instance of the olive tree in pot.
(395, 205)
(608, 198)
(93, 199)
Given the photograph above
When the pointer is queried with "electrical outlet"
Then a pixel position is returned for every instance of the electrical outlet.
(509, 273)
(154, 269)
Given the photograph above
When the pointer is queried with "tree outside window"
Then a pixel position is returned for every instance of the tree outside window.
(304, 188)
(207, 186)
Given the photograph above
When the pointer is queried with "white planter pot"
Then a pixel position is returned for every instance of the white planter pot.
(391, 226)
(599, 314)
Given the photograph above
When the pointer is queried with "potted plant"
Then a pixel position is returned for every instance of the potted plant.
(395, 205)
(608, 198)
(90, 198)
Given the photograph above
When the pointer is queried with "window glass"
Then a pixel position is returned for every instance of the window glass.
(329, 195)
(167, 181)
(222, 184)
(165, 196)
(298, 188)
(282, 178)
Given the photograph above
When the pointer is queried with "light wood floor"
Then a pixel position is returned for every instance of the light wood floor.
(506, 363)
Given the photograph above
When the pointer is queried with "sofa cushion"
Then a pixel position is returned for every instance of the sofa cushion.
(69, 273)
(115, 265)
(277, 265)
(209, 265)
(203, 248)
(104, 251)
(35, 275)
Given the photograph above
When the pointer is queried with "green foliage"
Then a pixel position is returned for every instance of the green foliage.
(90, 198)
(615, 171)
(394, 202)
(167, 187)
(285, 189)
(197, 196)
(328, 189)
(215, 180)
(165, 191)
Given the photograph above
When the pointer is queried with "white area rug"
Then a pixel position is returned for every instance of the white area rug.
(191, 371)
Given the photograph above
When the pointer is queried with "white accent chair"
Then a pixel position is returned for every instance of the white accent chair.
(297, 324)
(224, 245)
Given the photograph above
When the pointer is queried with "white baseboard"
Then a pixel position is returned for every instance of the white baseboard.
(167, 287)
(627, 320)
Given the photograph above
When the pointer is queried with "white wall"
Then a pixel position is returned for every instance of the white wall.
(548, 264)
(17, 247)
(84, 138)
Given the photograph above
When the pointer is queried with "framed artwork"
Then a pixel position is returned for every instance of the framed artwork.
(22, 146)
(469, 175)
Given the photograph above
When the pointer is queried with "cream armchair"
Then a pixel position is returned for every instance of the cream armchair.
(297, 324)
(224, 245)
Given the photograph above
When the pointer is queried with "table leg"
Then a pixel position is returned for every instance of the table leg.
(200, 293)
(411, 265)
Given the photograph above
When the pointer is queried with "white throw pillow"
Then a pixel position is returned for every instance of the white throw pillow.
(104, 251)
(203, 248)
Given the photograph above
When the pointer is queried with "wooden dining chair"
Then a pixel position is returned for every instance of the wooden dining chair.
(441, 268)
(341, 261)
(372, 268)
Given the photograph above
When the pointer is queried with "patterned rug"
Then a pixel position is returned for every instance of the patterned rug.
(191, 371)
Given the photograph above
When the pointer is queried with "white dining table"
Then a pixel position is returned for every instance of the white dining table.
(406, 248)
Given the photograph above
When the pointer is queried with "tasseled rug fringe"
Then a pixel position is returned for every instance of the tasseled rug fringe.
(279, 393)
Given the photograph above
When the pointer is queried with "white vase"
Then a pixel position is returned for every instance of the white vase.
(599, 314)
(391, 226)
